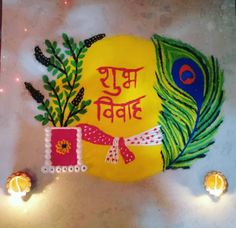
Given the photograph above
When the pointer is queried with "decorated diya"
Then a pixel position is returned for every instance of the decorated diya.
(124, 108)
(19, 184)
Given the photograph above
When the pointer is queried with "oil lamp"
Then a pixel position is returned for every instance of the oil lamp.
(19, 184)
(215, 183)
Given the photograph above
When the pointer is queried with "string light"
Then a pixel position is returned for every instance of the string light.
(17, 79)
(1, 90)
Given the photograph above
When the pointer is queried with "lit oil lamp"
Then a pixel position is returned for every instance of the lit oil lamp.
(215, 183)
(19, 184)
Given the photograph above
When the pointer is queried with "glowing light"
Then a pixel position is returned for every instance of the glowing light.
(17, 79)
(65, 2)
(1, 90)
(25, 29)
(215, 183)
(18, 184)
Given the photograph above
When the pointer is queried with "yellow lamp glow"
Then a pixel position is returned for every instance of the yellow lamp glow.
(215, 183)
(19, 184)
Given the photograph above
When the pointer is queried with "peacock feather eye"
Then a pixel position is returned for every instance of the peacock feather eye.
(189, 77)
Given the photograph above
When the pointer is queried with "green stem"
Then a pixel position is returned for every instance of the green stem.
(71, 50)
(64, 68)
(58, 99)
(72, 114)
(69, 116)
(61, 70)
(73, 84)
(49, 113)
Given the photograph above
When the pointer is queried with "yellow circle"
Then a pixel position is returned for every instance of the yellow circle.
(123, 52)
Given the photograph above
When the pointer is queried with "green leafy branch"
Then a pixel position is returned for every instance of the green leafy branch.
(74, 50)
(65, 93)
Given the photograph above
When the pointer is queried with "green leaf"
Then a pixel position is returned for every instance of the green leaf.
(73, 63)
(83, 111)
(50, 67)
(66, 87)
(76, 85)
(66, 62)
(73, 93)
(49, 51)
(58, 50)
(60, 96)
(76, 117)
(81, 44)
(57, 89)
(58, 111)
(54, 44)
(73, 46)
(83, 104)
(80, 63)
(66, 93)
(68, 69)
(62, 56)
(65, 37)
(76, 108)
(70, 77)
(54, 71)
(45, 121)
(88, 102)
(63, 102)
(67, 52)
(50, 109)
(47, 87)
(81, 56)
(41, 107)
(54, 114)
(84, 49)
(45, 78)
(78, 77)
(48, 44)
(53, 83)
(39, 117)
(76, 50)
(55, 102)
(71, 40)
(52, 59)
(70, 121)
(46, 103)
(70, 106)
(59, 75)
(65, 45)
(46, 115)
(57, 63)
(64, 80)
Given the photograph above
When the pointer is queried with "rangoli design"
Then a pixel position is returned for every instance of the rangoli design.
(125, 108)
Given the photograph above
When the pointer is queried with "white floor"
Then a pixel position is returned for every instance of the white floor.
(172, 199)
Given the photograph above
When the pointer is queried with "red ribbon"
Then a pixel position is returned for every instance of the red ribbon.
(94, 135)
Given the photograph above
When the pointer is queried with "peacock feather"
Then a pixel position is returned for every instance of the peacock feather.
(190, 86)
